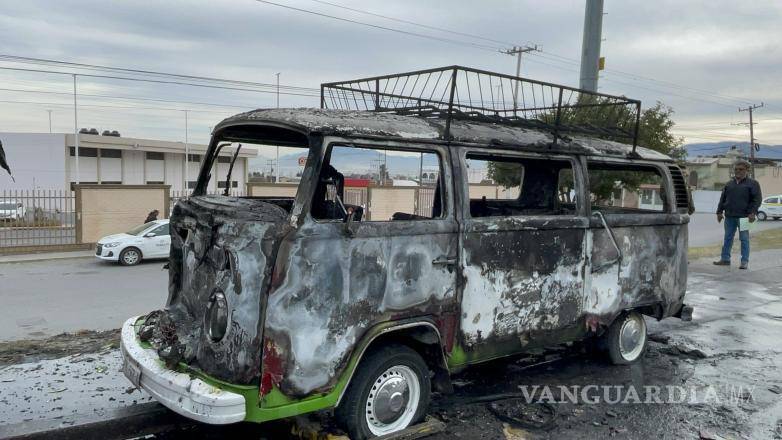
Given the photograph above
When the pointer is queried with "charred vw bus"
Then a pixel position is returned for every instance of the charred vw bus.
(525, 224)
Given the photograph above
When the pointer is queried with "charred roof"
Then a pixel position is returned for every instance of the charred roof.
(366, 124)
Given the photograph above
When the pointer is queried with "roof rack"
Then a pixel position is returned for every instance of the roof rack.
(457, 92)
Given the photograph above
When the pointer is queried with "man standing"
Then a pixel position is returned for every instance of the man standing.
(740, 198)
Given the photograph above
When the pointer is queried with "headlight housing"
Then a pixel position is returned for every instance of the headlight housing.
(216, 320)
(112, 244)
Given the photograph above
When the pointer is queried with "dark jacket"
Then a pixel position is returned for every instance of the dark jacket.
(740, 199)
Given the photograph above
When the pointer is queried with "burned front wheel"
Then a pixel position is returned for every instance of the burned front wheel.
(626, 339)
(389, 392)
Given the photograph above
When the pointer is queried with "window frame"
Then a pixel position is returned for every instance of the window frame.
(662, 171)
(575, 165)
(387, 145)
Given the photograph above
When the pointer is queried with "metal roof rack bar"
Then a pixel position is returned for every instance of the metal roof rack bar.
(456, 92)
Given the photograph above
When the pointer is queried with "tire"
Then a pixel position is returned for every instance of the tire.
(762, 216)
(626, 339)
(367, 410)
(130, 256)
(776, 218)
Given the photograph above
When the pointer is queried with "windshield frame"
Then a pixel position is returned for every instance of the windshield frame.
(264, 133)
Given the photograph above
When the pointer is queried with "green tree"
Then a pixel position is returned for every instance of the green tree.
(654, 133)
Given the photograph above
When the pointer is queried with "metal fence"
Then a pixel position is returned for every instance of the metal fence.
(31, 218)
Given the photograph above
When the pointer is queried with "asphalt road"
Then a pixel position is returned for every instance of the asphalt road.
(705, 231)
(724, 365)
(44, 298)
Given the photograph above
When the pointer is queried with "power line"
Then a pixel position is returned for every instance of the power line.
(88, 95)
(57, 104)
(425, 26)
(399, 31)
(157, 81)
(94, 67)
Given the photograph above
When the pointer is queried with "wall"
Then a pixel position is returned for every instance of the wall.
(111, 209)
(260, 189)
(385, 201)
(36, 160)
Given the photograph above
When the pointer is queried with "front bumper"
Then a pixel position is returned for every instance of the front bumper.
(106, 253)
(183, 394)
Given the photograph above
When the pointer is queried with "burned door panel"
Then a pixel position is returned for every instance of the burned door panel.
(523, 258)
(334, 281)
(652, 271)
(637, 244)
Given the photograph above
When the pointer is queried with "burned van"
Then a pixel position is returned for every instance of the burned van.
(414, 225)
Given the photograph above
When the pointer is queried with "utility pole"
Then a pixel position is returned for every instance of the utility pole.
(590, 45)
(751, 137)
(50, 120)
(187, 155)
(278, 89)
(76, 129)
(518, 50)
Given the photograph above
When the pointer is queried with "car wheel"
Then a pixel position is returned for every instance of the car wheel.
(389, 392)
(626, 339)
(761, 216)
(130, 256)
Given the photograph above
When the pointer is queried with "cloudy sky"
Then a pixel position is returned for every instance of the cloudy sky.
(703, 58)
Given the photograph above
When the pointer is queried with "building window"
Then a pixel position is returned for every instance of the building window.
(221, 184)
(110, 152)
(84, 152)
(194, 158)
(154, 182)
(223, 159)
(154, 155)
(191, 184)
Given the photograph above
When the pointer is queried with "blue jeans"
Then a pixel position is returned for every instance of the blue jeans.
(731, 224)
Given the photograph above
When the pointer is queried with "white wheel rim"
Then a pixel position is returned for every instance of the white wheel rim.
(131, 257)
(393, 400)
(632, 337)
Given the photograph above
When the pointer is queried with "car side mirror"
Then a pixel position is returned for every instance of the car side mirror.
(149, 235)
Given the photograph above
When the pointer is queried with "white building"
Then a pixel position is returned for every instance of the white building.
(48, 161)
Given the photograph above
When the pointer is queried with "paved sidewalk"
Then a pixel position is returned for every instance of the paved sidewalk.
(42, 256)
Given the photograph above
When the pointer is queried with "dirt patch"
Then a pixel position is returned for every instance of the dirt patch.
(64, 344)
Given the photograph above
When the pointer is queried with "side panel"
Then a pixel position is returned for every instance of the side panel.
(652, 270)
(523, 279)
(333, 282)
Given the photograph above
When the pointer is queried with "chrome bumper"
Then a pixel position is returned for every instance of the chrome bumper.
(190, 397)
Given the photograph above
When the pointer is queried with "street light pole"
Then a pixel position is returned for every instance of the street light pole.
(518, 50)
(50, 120)
(278, 89)
(76, 129)
(187, 156)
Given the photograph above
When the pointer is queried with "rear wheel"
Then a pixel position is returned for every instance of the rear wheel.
(762, 216)
(626, 339)
(130, 257)
(389, 392)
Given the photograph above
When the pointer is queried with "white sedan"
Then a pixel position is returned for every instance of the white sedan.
(147, 241)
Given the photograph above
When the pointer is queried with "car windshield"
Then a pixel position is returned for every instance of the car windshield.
(139, 229)
(5, 206)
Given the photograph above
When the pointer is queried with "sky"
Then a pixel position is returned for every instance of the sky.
(705, 59)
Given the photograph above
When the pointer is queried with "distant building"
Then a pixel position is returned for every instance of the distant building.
(48, 161)
(711, 173)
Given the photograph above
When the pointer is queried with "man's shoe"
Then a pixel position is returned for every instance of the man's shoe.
(722, 263)
(744, 265)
